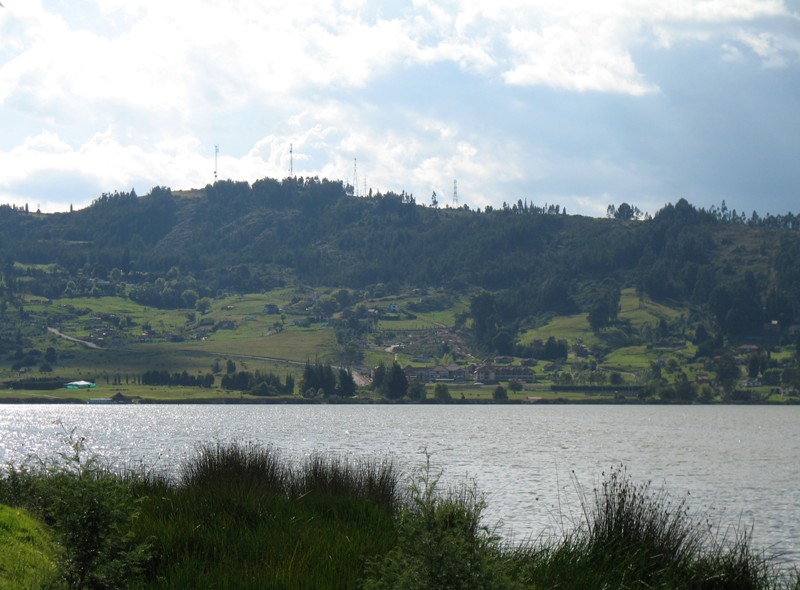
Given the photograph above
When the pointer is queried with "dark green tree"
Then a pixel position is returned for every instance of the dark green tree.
(441, 392)
(378, 377)
(416, 390)
(727, 372)
(624, 212)
(684, 389)
(346, 386)
(604, 307)
(396, 384)
(50, 355)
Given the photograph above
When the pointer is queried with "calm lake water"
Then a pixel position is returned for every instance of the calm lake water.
(738, 465)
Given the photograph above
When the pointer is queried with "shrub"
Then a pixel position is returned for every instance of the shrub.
(91, 512)
(442, 542)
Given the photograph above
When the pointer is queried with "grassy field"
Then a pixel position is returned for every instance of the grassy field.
(572, 328)
(113, 341)
(575, 328)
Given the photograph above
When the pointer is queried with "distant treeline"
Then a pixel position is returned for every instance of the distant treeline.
(258, 383)
(182, 379)
(322, 380)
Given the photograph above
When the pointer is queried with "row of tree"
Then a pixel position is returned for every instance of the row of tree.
(182, 379)
(258, 383)
(322, 380)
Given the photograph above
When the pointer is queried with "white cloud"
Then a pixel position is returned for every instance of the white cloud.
(138, 92)
(564, 57)
(774, 50)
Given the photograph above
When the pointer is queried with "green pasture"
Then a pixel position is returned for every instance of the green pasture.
(293, 344)
(634, 311)
(423, 320)
(46, 268)
(571, 328)
(638, 311)
(629, 358)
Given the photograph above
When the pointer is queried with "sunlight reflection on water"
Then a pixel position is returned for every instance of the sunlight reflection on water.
(738, 463)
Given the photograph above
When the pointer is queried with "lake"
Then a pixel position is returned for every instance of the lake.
(736, 464)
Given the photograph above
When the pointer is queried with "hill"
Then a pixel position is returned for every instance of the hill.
(504, 281)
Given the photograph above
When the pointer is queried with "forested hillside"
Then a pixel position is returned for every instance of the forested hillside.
(520, 262)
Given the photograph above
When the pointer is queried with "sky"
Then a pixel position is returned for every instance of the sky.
(581, 103)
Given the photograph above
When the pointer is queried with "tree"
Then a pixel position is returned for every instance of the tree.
(484, 317)
(515, 385)
(555, 349)
(604, 308)
(441, 392)
(416, 390)
(727, 372)
(624, 212)
(346, 386)
(684, 389)
(500, 393)
(753, 366)
(379, 376)
(189, 298)
(50, 355)
(396, 383)
(203, 304)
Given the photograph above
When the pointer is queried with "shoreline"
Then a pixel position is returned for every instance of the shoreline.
(302, 401)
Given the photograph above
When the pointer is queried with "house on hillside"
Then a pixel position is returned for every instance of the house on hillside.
(491, 373)
(420, 374)
(453, 372)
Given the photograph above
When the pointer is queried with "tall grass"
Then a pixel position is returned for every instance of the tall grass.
(442, 541)
(241, 516)
(636, 537)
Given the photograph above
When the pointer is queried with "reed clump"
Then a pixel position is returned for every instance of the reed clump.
(242, 516)
(634, 536)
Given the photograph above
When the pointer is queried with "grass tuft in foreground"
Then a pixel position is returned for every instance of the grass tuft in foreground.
(240, 516)
(636, 537)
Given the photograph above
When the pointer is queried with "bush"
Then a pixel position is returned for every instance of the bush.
(91, 512)
(442, 542)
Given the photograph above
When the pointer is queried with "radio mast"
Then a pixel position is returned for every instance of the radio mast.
(291, 162)
(355, 176)
(216, 153)
(455, 193)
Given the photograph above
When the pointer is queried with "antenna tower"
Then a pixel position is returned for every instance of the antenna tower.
(355, 176)
(216, 153)
(291, 162)
(455, 193)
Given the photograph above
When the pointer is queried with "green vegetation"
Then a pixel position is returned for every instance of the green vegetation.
(276, 274)
(27, 551)
(241, 516)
